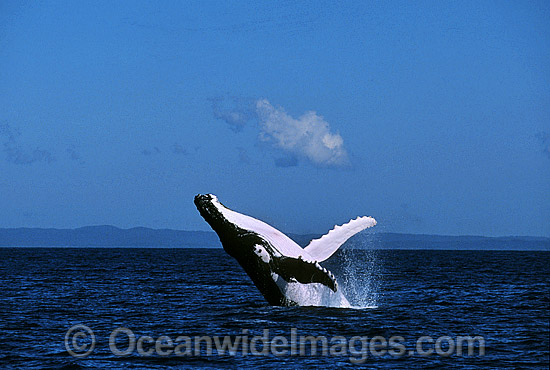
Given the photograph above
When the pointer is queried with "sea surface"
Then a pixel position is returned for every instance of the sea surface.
(502, 296)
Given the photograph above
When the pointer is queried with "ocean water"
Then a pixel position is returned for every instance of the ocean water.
(502, 296)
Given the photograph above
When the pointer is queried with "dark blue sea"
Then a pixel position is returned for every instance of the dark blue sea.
(501, 296)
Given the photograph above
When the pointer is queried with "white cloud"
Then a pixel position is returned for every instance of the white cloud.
(307, 137)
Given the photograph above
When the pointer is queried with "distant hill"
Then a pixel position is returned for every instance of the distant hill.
(107, 236)
(463, 242)
(110, 236)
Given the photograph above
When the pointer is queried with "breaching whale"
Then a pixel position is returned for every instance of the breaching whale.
(284, 273)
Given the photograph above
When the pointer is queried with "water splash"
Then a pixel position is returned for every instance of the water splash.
(358, 268)
(315, 294)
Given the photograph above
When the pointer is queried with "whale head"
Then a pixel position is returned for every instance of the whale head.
(208, 206)
(235, 240)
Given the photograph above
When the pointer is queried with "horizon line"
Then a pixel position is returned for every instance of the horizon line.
(302, 234)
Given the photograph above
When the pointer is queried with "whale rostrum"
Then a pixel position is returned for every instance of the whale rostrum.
(284, 273)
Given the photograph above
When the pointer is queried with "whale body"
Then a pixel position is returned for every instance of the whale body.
(284, 273)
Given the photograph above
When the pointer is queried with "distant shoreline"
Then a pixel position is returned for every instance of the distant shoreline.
(142, 237)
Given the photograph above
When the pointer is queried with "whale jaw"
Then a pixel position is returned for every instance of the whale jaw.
(207, 208)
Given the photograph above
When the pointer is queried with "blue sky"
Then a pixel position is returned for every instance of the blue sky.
(433, 117)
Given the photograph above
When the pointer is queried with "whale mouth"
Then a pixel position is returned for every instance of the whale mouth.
(206, 205)
(204, 198)
(205, 202)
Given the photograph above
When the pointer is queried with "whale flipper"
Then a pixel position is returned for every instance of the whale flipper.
(304, 272)
(324, 247)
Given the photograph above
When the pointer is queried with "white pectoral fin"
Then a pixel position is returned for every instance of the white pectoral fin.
(324, 247)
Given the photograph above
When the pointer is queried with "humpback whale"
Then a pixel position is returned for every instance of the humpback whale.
(284, 273)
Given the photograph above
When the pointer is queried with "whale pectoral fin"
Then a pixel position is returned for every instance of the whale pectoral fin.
(305, 272)
(324, 247)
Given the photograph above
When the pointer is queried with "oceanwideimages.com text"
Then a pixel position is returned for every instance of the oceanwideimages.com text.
(80, 341)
